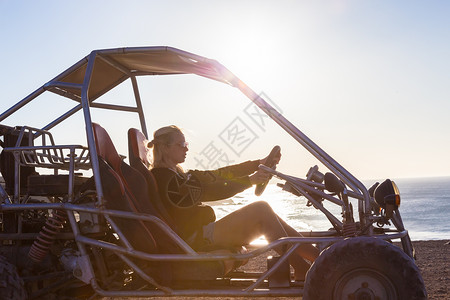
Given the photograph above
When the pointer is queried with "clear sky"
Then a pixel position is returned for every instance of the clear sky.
(368, 81)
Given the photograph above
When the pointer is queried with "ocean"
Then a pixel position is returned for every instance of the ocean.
(425, 207)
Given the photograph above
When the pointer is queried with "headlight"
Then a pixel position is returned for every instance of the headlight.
(387, 194)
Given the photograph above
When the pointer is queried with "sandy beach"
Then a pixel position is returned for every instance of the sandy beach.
(432, 258)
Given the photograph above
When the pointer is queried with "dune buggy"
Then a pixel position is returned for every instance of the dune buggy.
(65, 234)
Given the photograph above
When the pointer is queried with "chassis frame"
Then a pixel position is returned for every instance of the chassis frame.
(81, 84)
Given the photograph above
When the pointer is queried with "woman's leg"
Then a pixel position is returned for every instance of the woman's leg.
(250, 222)
(246, 224)
(307, 251)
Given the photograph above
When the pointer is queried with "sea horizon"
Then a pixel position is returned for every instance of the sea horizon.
(425, 206)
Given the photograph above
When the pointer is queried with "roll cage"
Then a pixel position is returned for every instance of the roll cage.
(102, 70)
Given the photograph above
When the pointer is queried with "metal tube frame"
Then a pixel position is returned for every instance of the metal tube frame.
(254, 288)
(126, 251)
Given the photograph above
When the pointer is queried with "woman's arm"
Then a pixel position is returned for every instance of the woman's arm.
(215, 186)
(237, 171)
(228, 181)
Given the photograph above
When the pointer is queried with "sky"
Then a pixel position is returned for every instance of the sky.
(367, 81)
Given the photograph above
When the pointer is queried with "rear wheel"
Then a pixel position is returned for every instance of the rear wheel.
(364, 268)
(11, 285)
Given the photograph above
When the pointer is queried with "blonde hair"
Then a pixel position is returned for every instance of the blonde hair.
(161, 138)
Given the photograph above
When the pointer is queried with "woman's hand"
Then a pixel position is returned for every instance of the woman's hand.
(271, 161)
(259, 176)
(262, 176)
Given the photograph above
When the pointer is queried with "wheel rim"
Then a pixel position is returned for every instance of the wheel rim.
(364, 284)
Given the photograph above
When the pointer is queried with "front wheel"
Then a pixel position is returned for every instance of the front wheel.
(364, 268)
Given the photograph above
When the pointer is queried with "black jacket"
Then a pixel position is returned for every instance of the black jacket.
(183, 194)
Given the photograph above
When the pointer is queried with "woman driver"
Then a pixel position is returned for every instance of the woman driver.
(197, 224)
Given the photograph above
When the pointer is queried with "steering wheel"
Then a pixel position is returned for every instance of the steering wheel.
(270, 162)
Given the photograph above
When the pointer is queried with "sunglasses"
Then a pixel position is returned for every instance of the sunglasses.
(181, 144)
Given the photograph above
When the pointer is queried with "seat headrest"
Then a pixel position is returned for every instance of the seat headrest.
(138, 147)
(105, 147)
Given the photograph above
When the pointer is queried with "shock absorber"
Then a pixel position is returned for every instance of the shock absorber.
(47, 235)
(349, 229)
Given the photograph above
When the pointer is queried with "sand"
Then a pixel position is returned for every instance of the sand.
(432, 258)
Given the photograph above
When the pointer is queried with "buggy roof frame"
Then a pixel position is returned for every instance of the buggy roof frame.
(102, 70)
